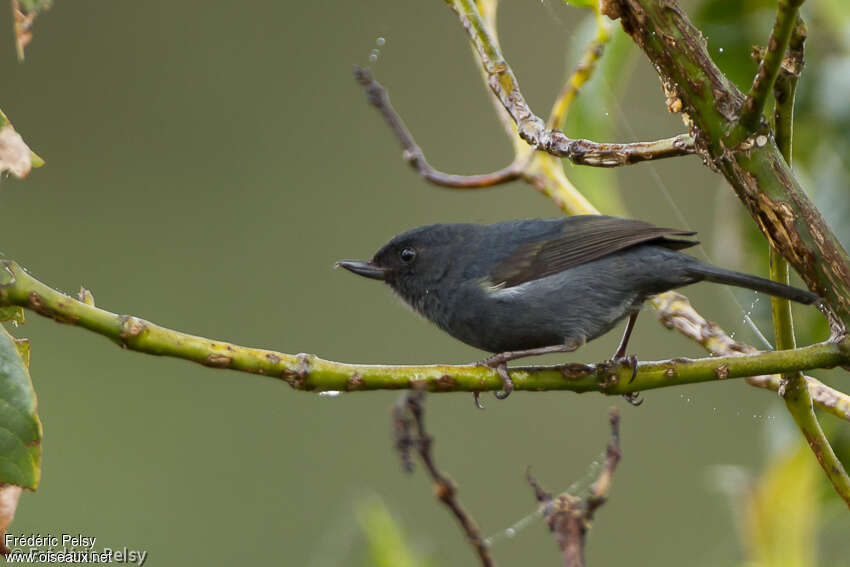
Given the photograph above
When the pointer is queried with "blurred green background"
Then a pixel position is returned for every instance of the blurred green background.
(206, 165)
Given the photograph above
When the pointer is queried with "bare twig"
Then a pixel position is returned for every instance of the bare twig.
(753, 109)
(825, 398)
(532, 129)
(599, 490)
(409, 431)
(675, 312)
(413, 154)
(569, 516)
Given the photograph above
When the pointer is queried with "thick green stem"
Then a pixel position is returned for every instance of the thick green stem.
(769, 67)
(795, 390)
(799, 403)
(785, 90)
(308, 372)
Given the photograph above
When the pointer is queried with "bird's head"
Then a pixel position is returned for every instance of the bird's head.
(412, 263)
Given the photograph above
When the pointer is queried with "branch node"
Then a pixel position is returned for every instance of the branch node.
(408, 427)
(569, 517)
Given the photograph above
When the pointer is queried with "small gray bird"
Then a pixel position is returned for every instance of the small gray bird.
(529, 287)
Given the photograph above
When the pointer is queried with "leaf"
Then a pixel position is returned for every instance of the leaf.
(12, 313)
(15, 156)
(781, 512)
(582, 3)
(728, 11)
(385, 538)
(24, 12)
(594, 112)
(20, 428)
(9, 495)
(23, 346)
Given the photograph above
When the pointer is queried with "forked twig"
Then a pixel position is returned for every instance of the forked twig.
(413, 154)
(569, 516)
(409, 432)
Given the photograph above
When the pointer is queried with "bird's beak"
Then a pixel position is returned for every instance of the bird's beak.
(365, 269)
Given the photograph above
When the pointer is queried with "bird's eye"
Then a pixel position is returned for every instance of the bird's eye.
(407, 255)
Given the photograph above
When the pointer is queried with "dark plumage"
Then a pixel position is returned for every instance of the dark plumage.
(526, 287)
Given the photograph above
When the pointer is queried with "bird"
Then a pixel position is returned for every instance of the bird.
(528, 287)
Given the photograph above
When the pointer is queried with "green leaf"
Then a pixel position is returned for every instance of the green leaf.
(23, 346)
(12, 313)
(594, 112)
(781, 512)
(385, 538)
(582, 3)
(36, 5)
(20, 428)
(730, 11)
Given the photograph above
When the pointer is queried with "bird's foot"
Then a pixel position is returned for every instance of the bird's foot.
(631, 361)
(633, 398)
(498, 363)
(477, 400)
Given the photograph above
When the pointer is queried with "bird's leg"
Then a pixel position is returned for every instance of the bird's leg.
(499, 361)
(624, 342)
(620, 355)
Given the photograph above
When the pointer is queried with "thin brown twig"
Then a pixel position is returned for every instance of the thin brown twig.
(413, 154)
(599, 490)
(569, 516)
(409, 432)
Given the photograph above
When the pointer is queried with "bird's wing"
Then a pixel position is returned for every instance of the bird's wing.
(583, 238)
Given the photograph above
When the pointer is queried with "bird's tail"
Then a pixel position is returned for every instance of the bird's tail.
(728, 277)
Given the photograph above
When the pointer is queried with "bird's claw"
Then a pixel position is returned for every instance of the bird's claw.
(498, 364)
(632, 361)
(633, 398)
(477, 401)
(507, 383)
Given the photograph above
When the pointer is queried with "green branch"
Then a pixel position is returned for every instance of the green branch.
(795, 390)
(799, 403)
(308, 372)
(769, 67)
(785, 90)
